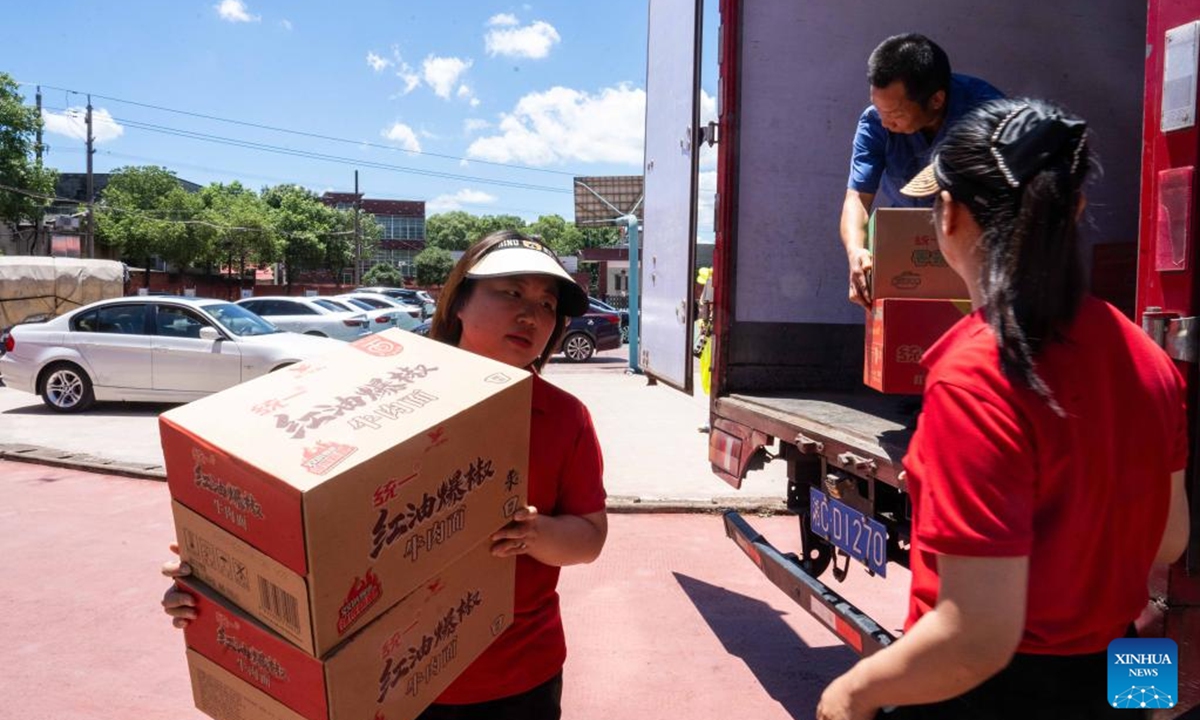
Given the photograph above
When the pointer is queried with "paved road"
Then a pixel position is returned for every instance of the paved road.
(672, 621)
(653, 452)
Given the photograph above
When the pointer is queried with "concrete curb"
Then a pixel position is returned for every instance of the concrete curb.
(616, 503)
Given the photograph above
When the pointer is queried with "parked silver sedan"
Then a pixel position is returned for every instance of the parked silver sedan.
(139, 349)
(306, 315)
(377, 320)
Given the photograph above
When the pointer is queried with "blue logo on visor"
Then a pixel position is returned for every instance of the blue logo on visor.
(1143, 673)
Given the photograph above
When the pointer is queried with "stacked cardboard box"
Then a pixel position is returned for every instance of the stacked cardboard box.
(336, 515)
(915, 297)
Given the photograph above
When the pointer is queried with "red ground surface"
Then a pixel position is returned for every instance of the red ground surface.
(672, 621)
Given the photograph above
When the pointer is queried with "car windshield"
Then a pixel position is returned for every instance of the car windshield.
(602, 305)
(359, 303)
(332, 305)
(240, 321)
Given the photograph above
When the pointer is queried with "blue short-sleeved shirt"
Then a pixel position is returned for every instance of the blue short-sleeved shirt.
(884, 161)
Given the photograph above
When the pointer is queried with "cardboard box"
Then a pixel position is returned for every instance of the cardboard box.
(906, 260)
(392, 669)
(347, 481)
(899, 331)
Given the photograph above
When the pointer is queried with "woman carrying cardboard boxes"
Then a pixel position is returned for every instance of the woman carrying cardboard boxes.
(508, 299)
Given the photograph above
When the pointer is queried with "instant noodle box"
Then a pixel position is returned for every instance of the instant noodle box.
(906, 261)
(390, 670)
(898, 332)
(318, 496)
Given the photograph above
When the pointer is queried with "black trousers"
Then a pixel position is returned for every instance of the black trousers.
(543, 702)
(1032, 687)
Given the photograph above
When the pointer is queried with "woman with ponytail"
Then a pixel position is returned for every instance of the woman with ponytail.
(1046, 471)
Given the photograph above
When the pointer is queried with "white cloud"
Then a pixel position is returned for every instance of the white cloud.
(708, 111)
(532, 41)
(706, 200)
(73, 124)
(404, 136)
(377, 63)
(235, 11)
(442, 73)
(455, 201)
(410, 78)
(562, 124)
(471, 125)
(503, 19)
(474, 102)
(286, 24)
(464, 91)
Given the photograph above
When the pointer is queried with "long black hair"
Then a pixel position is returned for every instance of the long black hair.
(1019, 165)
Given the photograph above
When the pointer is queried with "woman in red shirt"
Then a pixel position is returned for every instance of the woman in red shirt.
(1046, 471)
(508, 298)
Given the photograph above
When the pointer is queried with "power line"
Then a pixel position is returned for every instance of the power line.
(311, 155)
(302, 133)
(293, 181)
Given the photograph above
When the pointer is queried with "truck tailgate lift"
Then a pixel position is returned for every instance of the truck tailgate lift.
(852, 625)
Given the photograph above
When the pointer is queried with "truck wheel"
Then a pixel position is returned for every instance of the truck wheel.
(578, 347)
(66, 388)
(817, 552)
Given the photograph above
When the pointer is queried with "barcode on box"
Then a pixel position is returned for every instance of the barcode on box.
(280, 605)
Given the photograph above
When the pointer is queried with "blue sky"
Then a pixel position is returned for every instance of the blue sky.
(556, 87)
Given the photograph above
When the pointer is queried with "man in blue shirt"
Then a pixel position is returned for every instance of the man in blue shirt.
(914, 98)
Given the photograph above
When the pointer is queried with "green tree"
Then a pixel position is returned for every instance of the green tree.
(454, 230)
(493, 223)
(562, 237)
(136, 215)
(240, 232)
(18, 167)
(340, 241)
(433, 266)
(383, 275)
(304, 227)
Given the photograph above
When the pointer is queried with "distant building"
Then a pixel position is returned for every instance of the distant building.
(403, 226)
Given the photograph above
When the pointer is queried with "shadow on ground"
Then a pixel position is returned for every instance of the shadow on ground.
(99, 410)
(792, 673)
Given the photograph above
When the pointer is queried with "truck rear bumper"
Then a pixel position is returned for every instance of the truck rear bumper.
(854, 627)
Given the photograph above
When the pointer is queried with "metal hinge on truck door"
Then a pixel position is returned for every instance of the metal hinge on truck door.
(1179, 336)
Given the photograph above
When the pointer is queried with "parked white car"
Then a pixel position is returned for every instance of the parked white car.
(378, 319)
(305, 315)
(408, 318)
(147, 349)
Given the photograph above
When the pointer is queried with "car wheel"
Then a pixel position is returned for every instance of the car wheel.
(66, 388)
(578, 347)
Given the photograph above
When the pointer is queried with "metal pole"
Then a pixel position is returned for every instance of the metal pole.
(39, 221)
(635, 290)
(90, 250)
(357, 236)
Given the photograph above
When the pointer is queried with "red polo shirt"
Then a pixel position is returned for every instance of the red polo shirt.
(566, 473)
(993, 472)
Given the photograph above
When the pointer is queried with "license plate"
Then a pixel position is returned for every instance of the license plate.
(861, 537)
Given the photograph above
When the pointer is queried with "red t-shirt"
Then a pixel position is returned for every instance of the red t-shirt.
(566, 474)
(994, 472)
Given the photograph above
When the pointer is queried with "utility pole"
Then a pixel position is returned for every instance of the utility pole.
(357, 235)
(37, 149)
(90, 238)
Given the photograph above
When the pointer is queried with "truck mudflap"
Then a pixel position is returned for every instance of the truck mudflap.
(853, 626)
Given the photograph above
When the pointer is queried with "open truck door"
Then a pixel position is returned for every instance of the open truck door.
(671, 164)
